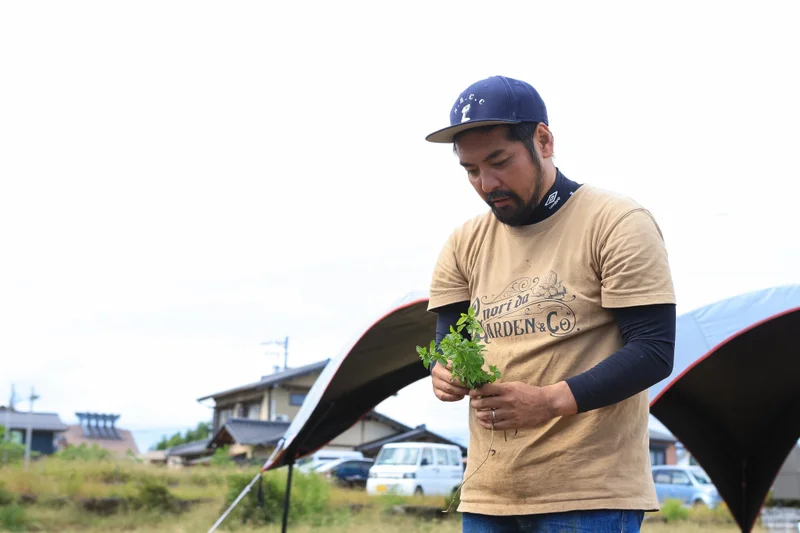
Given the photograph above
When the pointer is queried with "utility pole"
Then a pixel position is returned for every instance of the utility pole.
(7, 426)
(29, 431)
(285, 344)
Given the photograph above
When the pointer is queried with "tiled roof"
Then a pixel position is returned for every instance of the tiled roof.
(416, 433)
(39, 421)
(252, 432)
(391, 422)
(189, 448)
(272, 379)
(119, 445)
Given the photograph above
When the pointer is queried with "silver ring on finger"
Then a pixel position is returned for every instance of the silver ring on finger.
(493, 415)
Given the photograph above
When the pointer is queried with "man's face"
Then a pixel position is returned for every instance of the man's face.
(502, 172)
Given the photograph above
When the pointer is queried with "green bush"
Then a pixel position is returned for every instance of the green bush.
(84, 453)
(155, 496)
(6, 497)
(221, 457)
(673, 510)
(12, 452)
(12, 518)
(309, 500)
(701, 514)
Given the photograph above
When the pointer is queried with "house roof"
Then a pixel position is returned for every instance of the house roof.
(38, 421)
(272, 379)
(418, 433)
(249, 432)
(120, 444)
(197, 447)
(391, 422)
(659, 436)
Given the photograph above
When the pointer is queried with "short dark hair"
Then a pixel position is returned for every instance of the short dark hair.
(522, 132)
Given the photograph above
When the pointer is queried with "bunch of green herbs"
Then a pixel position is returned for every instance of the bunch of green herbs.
(465, 353)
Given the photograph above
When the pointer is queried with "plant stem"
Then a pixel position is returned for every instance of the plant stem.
(488, 454)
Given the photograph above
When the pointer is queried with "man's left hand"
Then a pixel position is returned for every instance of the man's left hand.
(518, 405)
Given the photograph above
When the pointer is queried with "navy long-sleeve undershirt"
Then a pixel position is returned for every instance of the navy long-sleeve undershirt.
(645, 358)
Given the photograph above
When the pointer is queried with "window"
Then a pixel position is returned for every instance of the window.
(363, 467)
(455, 458)
(252, 411)
(680, 478)
(297, 398)
(427, 457)
(701, 477)
(345, 469)
(441, 456)
(224, 415)
(398, 456)
(658, 456)
(17, 436)
(662, 477)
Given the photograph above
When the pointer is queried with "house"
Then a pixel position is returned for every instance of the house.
(275, 397)
(255, 439)
(188, 454)
(417, 434)
(786, 487)
(45, 428)
(662, 448)
(99, 429)
(251, 419)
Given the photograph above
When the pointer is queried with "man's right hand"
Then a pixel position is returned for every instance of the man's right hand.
(444, 387)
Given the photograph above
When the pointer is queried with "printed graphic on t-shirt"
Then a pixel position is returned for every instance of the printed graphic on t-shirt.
(527, 306)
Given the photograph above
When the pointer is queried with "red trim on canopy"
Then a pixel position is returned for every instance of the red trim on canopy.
(410, 303)
(720, 345)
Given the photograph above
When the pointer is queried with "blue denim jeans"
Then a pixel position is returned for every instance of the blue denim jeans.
(601, 521)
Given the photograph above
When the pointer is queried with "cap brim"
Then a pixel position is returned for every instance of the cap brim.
(445, 135)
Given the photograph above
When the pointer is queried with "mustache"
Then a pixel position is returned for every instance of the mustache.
(501, 195)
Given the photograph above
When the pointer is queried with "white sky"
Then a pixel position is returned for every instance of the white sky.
(182, 181)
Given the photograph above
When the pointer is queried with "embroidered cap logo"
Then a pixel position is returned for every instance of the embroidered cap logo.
(464, 110)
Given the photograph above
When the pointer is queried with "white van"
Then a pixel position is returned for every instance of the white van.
(419, 468)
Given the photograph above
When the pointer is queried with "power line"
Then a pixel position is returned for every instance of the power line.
(285, 344)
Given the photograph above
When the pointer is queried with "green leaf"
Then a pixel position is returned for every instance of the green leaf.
(466, 355)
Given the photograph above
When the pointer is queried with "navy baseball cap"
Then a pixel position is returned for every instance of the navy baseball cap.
(495, 100)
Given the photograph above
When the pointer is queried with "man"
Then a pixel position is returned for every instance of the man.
(573, 290)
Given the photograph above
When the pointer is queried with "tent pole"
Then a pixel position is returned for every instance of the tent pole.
(287, 496)
(743, 515)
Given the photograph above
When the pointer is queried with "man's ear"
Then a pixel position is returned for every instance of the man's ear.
(543, 139)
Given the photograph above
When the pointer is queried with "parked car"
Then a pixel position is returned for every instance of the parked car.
(689, 484)
(313, 461)
(347, 472)
(416, 468)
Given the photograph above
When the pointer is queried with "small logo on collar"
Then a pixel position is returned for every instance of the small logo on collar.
(552, 200)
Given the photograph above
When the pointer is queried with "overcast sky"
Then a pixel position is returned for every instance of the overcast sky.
(182, 181)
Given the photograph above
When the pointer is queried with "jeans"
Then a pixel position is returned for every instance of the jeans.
(600, 521)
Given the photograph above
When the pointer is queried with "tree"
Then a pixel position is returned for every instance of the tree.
(201, 432)
(10, 452)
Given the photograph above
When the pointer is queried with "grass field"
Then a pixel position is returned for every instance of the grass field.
(88, 496)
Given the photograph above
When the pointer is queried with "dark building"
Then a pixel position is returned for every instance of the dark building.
(45, 428)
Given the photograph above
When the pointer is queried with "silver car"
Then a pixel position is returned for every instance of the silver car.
(689, 484)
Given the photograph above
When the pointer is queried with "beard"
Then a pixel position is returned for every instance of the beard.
(518, 212)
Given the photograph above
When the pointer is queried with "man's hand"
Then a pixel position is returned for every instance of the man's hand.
(519, 405)
(444, 387)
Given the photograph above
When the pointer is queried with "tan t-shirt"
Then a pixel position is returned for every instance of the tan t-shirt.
(543, 293)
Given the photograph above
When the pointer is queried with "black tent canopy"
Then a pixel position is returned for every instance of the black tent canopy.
(734, 399)
(382, 361)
